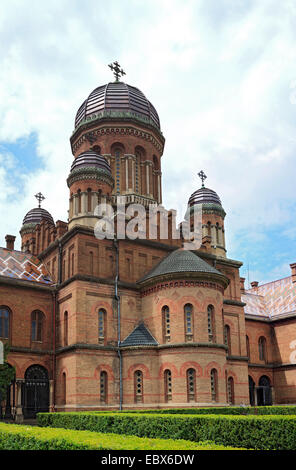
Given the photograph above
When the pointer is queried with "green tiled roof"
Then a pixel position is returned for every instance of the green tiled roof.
(181, 261)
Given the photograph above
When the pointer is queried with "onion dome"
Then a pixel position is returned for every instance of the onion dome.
(90, 165)
(36, 215)
(185, 264)
(117, 100)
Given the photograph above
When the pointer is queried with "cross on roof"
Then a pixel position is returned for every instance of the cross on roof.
(40, 198)
(202, 176)
(117, 71)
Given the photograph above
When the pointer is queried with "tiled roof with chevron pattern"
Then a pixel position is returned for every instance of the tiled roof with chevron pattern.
(272, 299)
(19, 265)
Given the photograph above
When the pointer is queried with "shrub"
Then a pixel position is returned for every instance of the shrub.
(20, 437)
(251, 432)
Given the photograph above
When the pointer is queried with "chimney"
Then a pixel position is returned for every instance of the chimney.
(10, 242)
(242, 284)
(293, 269)
(254, 285)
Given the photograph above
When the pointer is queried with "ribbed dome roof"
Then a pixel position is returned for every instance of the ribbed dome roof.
(34, 216)
(91, 159)
(181, 261)
(204, 196)
(117, 96)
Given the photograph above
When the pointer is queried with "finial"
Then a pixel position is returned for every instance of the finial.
(40, 198)
(117, 71)
(202, 176)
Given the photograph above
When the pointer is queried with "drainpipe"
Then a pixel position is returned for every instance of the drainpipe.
(54, 350)
(60, 274)
(117, 299)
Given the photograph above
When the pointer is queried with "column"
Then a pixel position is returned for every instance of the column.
(147, 179)
(19, 417)
(51, 397)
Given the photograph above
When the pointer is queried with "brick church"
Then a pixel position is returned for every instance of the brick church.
(135, 323)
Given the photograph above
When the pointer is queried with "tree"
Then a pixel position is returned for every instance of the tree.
(7, 373)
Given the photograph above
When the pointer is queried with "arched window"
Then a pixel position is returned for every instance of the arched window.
(89, 197)
(262, 348)
(188, 318)
(248, 347)
(66, 329)
(230, 391)
(191, 385)
(79, 201)
(4, 322)
(167, 385)
(37, 319)
(138, 384)
(166, 322)
(103, 386)
(211, 334)
(251, 391)
(91, 262)
(214, 385)
(64, 388)
(102, 325)
(227, 338)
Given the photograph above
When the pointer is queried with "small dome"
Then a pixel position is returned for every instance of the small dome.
(182, 262)
(91, 159)
(204, 196)
(117, 97)
(36, 215)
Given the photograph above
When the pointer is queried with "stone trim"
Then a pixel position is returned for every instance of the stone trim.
(172, 284)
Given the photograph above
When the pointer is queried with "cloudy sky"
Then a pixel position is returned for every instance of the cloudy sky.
(222, 75)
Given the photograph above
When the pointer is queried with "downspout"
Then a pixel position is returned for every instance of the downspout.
(117, 299)
(53, 408)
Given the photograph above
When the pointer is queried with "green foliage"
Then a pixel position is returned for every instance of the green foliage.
(230, 410)
(19, 437)
(7, 373)
(264, 432)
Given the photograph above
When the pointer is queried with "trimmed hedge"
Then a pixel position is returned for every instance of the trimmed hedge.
(230, 410)
(20, 437)
(251, 432)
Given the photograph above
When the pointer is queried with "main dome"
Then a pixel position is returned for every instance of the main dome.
(117, 97)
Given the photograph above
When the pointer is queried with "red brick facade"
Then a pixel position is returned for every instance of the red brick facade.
(90, 307)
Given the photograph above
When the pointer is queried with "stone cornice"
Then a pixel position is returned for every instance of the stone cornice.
(236, 303)
(169, 282)
(122, 128)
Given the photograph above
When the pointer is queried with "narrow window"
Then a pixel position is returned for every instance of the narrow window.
(91, 262)
(4, 322)
(64, 389)
(79, 200)
(138, 382)
(191, 385)
(211, 324)
(102, 325)
(167, 385)
(262, 348)
(227, 338)
(166, 324)
(214, 385)
(230, 391)
(248, 347)
(66, 329)
(188, 322)
(36, 325)
(89, 195)
(103, 387)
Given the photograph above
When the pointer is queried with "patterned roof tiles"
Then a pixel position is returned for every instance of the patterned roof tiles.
(24, 266)
(272, 299)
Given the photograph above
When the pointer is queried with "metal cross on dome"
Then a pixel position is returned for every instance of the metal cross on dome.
(202, 176)
(117, 71)
(40, 198)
